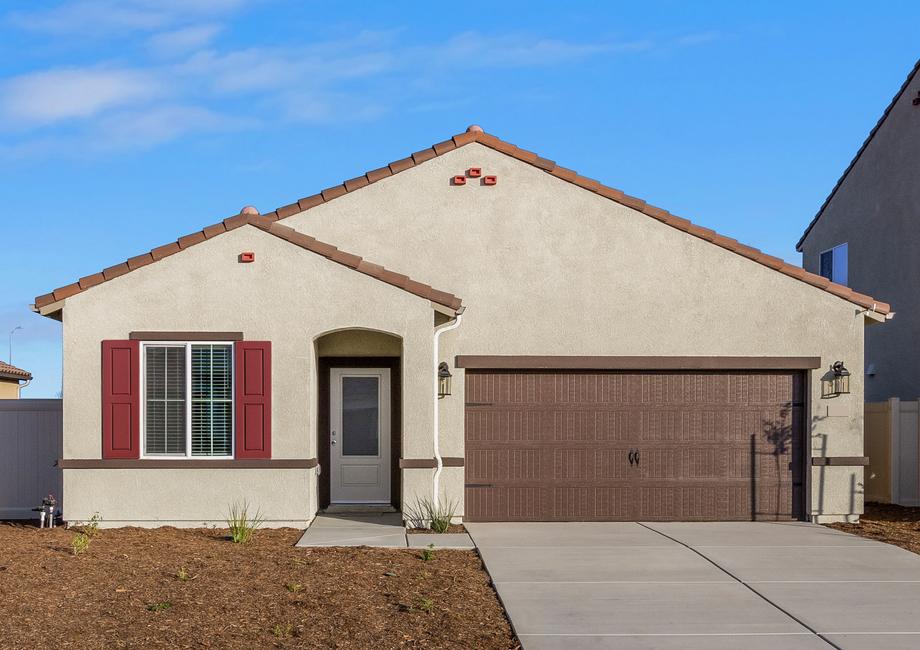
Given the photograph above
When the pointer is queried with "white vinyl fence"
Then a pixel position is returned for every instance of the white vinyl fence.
(30, 443)
(892, 440)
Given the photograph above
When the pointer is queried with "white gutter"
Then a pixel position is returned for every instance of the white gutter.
(439, 463)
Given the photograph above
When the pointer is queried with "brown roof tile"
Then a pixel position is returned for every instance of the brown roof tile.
(356, 183)
(545, 164)
(145, 259)
(91, 281)
(378, 174)
(119, 269)
(423, 155)
(333, 192)
(166, 250)
(311, 201)
(12, 372)
(288, 210)
(191, 240)
(214, 230)
(278, 230)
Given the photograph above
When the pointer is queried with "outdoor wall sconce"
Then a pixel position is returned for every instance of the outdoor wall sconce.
(443, 380)
(837, 381)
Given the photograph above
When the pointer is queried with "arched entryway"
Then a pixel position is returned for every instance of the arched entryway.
(359, 419)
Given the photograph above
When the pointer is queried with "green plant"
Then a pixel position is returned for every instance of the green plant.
(241, 524)
(434, 515)
(282, 631)
(425, 604)
(159, 607)
(91, 527)
(428, 553)
(294, 587)
(79, 543)
(183, 575)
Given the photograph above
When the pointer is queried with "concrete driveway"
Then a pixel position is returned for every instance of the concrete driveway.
(701, 585)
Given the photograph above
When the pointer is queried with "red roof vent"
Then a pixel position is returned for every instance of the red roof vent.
(490, 180)
(247, 256)
(474, 172)
(459, 180)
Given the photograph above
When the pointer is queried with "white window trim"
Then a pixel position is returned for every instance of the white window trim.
(831, 250)
(188, 400)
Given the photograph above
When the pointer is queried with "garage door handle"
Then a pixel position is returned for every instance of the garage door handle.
(632, 458)
(637, 457)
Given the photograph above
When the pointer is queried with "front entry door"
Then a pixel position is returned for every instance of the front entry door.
(360, 435)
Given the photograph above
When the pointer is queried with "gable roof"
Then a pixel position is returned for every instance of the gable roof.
(472, 134)
(272, 227)
(859, 153)
(12, 372)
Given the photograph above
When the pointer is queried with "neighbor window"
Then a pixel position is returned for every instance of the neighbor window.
(188, 399)
(834, 264)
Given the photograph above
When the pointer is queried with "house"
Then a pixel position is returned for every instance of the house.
(474, 323)
(864, 236)
(12, 380)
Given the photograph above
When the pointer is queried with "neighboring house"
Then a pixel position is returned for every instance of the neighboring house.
(609, 360)
(866, 236)
(12, 380)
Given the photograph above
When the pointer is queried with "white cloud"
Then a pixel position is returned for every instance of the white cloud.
(118, 17)
(55, 95)
(519, 50)
(181, 41)
(149, 127)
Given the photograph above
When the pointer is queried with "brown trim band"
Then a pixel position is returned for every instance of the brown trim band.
(840, 461)
(186, 336)
(429, 463)
(175, 463)
(509, 362)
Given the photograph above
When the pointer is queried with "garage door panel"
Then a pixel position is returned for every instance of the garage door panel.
(555, 446)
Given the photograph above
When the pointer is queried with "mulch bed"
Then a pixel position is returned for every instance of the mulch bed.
(887, 523)
(125, 591)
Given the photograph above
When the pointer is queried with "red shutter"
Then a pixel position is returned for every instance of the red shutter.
(253, 393)
(121, 408)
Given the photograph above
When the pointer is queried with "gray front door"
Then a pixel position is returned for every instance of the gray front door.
(359, 437)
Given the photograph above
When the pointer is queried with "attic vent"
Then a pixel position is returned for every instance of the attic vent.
(917, 98)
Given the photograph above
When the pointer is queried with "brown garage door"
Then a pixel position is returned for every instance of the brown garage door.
(607, 446)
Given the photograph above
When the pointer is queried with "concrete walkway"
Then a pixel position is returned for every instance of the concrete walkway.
(701, 585)
(383, 530)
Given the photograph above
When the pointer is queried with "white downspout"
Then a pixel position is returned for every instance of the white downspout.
(439, 464)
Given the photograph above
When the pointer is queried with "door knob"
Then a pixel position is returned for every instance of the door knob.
(333, 442)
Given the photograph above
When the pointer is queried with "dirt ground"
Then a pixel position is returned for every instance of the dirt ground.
(181, 588)
(887, 523)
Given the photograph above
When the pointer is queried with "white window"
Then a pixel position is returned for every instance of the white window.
(834, 264)
(187, 413)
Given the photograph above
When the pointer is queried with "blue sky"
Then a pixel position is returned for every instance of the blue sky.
(126, 123)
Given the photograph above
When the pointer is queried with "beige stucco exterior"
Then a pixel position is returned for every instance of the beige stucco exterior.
(9, 388)
(543, 267)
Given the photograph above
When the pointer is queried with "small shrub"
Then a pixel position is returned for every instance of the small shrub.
(159, 607)
(91, 527)
(241, 524)
(183, 575)
(282, 631)
(428, 514)
(425, 604)
(80, 543)
(294, 587)
(428, 553)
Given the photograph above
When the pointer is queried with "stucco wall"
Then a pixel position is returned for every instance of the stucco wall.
(288, 296)
(875, 212)
(547, 268)
(9, 389)
(543, 267)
